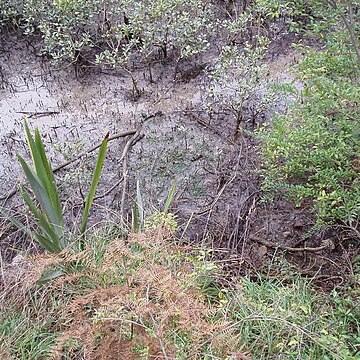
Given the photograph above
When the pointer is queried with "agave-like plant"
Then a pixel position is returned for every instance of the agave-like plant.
(48, 210)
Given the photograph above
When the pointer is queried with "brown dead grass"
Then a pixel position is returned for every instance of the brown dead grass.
(158, 302)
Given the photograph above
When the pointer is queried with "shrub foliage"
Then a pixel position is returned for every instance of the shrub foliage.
(313, 151)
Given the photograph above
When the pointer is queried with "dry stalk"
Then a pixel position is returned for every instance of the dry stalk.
(124, 158)
(327, 245)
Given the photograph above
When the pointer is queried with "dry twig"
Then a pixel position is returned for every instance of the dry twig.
(328, 244)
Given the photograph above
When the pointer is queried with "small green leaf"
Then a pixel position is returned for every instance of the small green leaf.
(51, 274)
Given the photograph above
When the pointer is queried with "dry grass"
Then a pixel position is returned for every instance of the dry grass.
(145, 297)
(139, 300)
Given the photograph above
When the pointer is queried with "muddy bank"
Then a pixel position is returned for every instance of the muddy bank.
(73, 113)
(218, 197)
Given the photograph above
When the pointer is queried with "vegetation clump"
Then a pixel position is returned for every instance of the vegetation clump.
(146, 297)
(143, 294)
(113, 32)
(140, 297)
(312, 151)
(46, 206)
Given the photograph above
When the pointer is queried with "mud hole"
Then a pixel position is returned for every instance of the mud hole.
(218, 178)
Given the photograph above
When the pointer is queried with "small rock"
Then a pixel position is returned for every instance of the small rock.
(18, 260)
(298, 224)
(329, 243)
(262, 250)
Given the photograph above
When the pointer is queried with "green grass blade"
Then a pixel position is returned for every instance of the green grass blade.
(94, 183)
(51, 274)
(16, 222)
(170, 197)
(138, 211)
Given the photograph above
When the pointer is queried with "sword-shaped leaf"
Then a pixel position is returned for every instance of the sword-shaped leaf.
(52, 237)
(43, 171)
(43, 198)
(43, 241)
(94, 183)
(170, 197)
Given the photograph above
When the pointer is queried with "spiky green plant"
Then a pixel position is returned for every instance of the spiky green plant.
(47, 208)
(48, 212)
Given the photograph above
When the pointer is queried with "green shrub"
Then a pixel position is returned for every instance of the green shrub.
(237, 82)
(10, 11)
(289, 320)
(313, 151)
(110, 32)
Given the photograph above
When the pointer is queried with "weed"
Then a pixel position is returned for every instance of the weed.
(149, 297)
(290, 320)
(143, 296)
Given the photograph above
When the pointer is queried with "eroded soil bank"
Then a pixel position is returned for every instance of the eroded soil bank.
(218, 198)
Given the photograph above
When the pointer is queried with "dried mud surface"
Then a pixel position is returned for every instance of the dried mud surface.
(218, 177)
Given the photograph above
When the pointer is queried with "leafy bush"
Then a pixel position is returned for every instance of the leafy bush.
(288, 319)
(313, 151)
(110, 32)
(181, 26)
(237, 82)
(9, 13)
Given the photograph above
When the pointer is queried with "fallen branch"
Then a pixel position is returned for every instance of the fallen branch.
(212, 129)
(107, 192)
(227, 183)
(31, 114)
(88, 151)
(328, 244)
(10, 194)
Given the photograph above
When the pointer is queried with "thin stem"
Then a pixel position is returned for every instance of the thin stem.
(348, 25)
